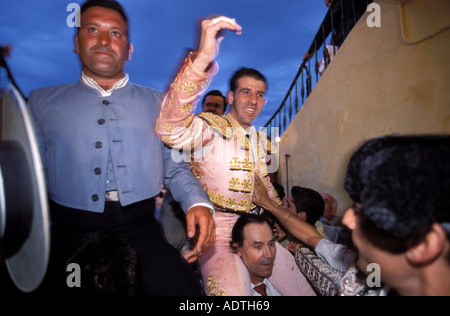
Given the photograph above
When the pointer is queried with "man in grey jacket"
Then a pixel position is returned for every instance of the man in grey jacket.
(104, 164)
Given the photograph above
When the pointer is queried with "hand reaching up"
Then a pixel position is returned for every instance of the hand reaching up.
(212, 35)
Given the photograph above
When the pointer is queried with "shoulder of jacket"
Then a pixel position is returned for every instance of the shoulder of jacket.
(43, 94)
(219, 123)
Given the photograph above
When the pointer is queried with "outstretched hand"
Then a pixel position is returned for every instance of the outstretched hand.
(201, 230)
(212, 35)
(260, 194)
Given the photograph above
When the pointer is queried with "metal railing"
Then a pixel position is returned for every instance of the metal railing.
(341, 17)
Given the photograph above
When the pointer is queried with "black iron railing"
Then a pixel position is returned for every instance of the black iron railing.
(337, 24)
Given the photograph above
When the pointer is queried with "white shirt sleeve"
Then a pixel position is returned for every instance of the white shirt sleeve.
(338, 256)
(211, 208)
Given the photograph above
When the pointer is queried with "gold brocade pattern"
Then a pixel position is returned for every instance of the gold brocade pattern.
(190, 88)
(231, 204)
(247, 186)
(186, 109)
(235, 164)
(239, 182)
(213, 288)
(218, 123)
(247, 165)
(168, 127)
(187, 122)
(166, 139)
(235, 185)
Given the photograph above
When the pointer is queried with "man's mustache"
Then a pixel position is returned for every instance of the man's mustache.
(266, 261)
(102, 50)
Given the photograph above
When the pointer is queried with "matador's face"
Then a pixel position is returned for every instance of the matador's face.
(247, 101)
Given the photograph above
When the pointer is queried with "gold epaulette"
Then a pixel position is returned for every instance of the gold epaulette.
(218, 123)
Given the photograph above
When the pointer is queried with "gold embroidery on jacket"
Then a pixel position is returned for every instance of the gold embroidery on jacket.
(169, 127)
(235, 164)
(186, 109)
(247, 165)
(230, 204)
(189, 88)
(213, 288)
(243, 204)
(218, 123)
(235, 185)
(247, 186)
(244, 142)
(187, 122)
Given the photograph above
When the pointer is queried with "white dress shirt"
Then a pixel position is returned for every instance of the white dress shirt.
(338, 256)
(270, 289)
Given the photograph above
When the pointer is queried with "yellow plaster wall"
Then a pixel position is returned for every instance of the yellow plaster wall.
(392, 79)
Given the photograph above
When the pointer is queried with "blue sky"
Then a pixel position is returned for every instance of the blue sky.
(276, 34)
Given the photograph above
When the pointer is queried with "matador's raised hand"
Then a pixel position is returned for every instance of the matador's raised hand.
(212, 35)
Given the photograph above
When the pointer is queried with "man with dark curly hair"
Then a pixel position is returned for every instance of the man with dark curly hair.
(401, 218)
(400, 221)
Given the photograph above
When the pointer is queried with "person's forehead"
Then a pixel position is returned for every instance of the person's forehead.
(248, 82)
(98, 14)
(214, 99)
(256, 232)
(328, 198)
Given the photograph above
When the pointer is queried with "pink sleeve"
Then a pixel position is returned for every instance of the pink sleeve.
(177, 126)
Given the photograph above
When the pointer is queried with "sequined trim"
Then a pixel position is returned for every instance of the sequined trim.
(213, 288)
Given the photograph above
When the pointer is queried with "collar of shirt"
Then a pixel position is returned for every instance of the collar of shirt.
(94, 85)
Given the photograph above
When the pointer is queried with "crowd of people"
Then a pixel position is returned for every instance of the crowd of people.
(108, 149)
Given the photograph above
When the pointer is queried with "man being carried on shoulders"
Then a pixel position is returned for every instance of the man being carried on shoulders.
(227, 154)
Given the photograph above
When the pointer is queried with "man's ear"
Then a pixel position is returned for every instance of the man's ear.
(430, 248)
(230, 97)
(303, 216)
(130, 51)
(77, 48)
(235, 249)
